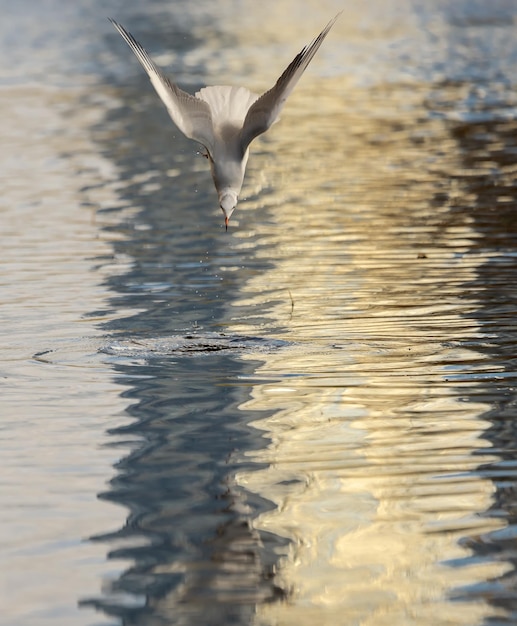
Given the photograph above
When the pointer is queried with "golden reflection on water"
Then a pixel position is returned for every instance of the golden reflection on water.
(371, 437)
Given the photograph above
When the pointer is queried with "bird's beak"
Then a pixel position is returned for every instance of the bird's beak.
(226, 220)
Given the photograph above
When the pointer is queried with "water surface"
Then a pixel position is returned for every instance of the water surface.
(352, 460)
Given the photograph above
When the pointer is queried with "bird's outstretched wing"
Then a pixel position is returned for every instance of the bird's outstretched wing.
(190, 114)
(265, 111)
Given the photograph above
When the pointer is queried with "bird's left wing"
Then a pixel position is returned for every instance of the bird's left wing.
(190, 114)
(265, 111)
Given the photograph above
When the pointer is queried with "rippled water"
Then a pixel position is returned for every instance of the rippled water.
(308, 419)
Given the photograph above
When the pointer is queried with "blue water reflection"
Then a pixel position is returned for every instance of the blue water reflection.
(189, 534)
(189, 531)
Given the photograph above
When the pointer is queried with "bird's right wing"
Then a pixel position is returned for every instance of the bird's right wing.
(190, 114)
(265, 111)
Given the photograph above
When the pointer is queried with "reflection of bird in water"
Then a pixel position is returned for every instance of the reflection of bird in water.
(225, 120)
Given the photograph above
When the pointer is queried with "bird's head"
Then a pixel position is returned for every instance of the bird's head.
(227, 201)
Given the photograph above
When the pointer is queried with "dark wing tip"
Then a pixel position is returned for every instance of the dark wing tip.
(140, 52)
(258, 118)
(305, 56)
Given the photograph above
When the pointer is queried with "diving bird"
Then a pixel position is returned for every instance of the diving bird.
(225, 120)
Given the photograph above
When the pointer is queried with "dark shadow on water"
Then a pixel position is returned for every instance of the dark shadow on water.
(487, 141)
(194, 556)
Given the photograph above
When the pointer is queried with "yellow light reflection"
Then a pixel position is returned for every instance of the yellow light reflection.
(370, 460)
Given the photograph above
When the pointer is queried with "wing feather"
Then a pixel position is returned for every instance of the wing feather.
(190, 114)
(265, 111)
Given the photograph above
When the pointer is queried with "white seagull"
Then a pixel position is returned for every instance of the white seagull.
(223, 119)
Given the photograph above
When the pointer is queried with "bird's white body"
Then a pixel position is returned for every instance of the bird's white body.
(229, 107)
(225, 119)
